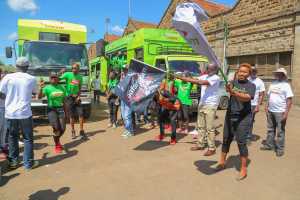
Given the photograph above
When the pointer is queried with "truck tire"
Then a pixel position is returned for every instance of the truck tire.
(223, 103)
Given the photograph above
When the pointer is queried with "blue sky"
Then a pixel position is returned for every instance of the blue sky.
(91, 13)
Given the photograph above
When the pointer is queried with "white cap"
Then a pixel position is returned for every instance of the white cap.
(22, 62)
(281, 70)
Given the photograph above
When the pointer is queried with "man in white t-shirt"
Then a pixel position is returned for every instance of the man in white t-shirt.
(96, 87)
(257, 101)
(277, 108)
(17, 88)
(207, 108)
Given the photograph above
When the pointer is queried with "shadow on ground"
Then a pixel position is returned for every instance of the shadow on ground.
(49, 194)
(5, 179)
(207, 166)
(151, 145)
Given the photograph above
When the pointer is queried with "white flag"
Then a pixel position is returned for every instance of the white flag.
(186, 21)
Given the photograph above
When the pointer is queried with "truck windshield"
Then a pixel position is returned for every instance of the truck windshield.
(185, 66)
(49, 54)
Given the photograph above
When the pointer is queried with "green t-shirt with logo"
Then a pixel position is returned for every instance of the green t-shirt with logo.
(112, 83)
(55, 95)
(73, 82)
(183, 92)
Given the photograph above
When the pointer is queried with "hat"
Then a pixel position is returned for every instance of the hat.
(22, 62)
(281, 70)
(53, 74)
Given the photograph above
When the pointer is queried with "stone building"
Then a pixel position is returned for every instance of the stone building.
(264, 33)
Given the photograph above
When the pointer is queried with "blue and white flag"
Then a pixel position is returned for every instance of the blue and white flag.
(186, 21)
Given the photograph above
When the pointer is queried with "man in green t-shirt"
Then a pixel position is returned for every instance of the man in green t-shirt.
(73, 103)
(55, 94)
(184, 91)
(112, 99)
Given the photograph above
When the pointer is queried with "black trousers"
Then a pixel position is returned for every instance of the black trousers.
(113, 110)
(163, 116)
(238, 127)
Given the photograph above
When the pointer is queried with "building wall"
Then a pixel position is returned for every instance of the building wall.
(261, 32)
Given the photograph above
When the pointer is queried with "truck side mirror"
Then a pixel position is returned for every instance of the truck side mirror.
(8, 52)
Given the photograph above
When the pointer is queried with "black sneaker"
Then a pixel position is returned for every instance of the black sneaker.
(13, 165)
(266, 148)
(73, 135)
(83, 135)
(279, 153)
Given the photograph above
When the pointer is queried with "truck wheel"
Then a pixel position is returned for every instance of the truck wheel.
(223, 103)
(87, 109)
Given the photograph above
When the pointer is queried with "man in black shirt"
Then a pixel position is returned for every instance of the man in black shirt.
(238, 117)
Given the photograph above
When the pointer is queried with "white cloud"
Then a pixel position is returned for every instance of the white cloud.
(13, 36)
(117, 29)
(23, 5)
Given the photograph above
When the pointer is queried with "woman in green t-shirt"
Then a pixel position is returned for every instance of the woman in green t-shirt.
(55, 94)
(184, 90)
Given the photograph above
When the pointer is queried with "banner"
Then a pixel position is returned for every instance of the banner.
(186, 21)
(138, 87)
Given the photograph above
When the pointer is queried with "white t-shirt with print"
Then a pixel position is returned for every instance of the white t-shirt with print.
(278, 93)
(260, 87)
(18, 88)
(210, 93)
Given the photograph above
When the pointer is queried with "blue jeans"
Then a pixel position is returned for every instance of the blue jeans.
(127, 117)
(14, 126)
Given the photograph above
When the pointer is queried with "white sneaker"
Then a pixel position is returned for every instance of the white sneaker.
(21, 144)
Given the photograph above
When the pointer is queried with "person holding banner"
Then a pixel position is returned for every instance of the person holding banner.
(112, 99)
(238, 118)
(207, 109)
(169, 107)
(184, 90)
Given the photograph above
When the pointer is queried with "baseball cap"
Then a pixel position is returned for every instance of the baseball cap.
(281, 70)
(22, 62)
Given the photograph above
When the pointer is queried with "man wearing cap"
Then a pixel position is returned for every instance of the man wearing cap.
(17, 88)
(73, 103)
(277, 108)
(55, 94)
(257, 101)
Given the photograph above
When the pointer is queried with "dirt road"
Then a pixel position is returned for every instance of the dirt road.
(110, 167)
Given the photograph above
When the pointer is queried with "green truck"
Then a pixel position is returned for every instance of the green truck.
(162, 48)
(51, 46)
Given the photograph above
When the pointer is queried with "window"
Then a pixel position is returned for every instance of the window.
(161, 64)
(58, 37)
(285, 61)
(139, 54)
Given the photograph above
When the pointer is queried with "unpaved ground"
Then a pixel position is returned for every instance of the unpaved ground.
(110, 167)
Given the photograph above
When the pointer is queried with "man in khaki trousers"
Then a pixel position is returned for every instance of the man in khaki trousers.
(207, 109)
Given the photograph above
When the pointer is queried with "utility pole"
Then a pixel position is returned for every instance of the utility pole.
(129, 9)
(107, 22)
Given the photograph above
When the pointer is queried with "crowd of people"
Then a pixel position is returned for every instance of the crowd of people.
(169, 109)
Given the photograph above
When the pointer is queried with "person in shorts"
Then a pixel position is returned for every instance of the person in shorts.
(73, 102)
(96, 88)
(55, 94)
